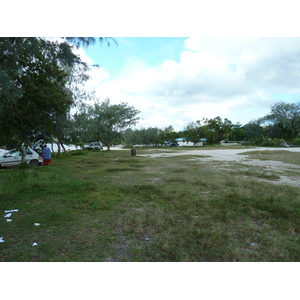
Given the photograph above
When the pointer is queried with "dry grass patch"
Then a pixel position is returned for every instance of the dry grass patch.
(277, 155)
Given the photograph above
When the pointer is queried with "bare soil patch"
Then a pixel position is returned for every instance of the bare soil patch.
(228, 156)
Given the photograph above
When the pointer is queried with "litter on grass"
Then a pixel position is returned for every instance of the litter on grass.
(34, 244)
(8, 220)
(37, 224)
(7, 215)
(13, 210)
(1, 239)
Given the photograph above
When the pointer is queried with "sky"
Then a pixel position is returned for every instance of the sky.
(178, 80)
(180, 62)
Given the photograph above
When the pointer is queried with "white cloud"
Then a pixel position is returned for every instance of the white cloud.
(97, 74)
(228, 77)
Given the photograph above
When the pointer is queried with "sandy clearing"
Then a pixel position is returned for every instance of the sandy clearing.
(219, 154)
(235, 155)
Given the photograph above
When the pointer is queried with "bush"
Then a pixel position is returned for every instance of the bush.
(271, 143)
(295, 142)
(78, 152)
(72, 153)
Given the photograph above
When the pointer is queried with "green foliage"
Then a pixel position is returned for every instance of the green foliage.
(88, 41)
(270, 143)
(253, 133)
(78, 152)
(73, 153)
(105, 122)
(237, 132)
(296, 142)
(193, 132)
(143, 136)
(169, 134)
(287, 117)
(216, 130)
(37, 72)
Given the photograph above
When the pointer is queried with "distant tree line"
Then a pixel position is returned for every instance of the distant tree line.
(281, 124)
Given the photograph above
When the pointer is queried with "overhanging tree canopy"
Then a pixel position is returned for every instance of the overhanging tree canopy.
(34, 73)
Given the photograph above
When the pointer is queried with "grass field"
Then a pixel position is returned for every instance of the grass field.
(110, 206)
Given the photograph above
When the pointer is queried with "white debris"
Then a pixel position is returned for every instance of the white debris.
(7, 215)
(1, 239)
(13, 210)
(253, 244)
(34, 244)
(37, 224)
(8, 220)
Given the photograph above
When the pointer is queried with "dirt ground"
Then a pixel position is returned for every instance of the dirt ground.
(226, 156)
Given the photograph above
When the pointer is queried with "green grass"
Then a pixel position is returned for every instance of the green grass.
(277, 155)
(109, 206)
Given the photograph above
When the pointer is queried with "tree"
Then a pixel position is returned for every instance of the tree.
(287, 118)
(87, 41)
(193, 132)
(237, 132)
(143, 136)
(81, 125)
(216, 129)
(155, 136)
(108, 121)
(38, 85)
(34, 74)
(169, 135)
(131, 137)
(253, 132)
(32, 69)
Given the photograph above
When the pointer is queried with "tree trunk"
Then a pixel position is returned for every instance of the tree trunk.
(63, 147)
(58, 149)
(23, 151)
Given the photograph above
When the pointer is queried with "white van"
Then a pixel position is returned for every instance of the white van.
(94, 145)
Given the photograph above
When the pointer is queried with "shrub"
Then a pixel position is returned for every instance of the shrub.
(295, 142)
(78, 152)
(271, 143)
(73, 153)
